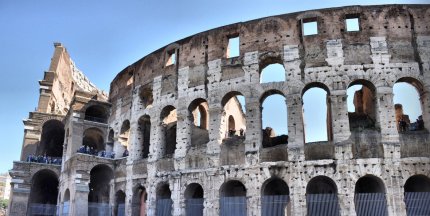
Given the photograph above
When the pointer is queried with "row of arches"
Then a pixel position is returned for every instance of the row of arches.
(321, 197)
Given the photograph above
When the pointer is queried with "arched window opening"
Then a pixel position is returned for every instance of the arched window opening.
(122, 150)
(417, 195)
(96, 113)
(361, 105)
(111, 141)
(194, 199)
(275, 200)
(169, 121)
(273, 73)
(275, 126)
(43, 193)
(146, 97)
(316, 113)
(164, 200)
(199, 116)
(52, 139)
(408, 105)
(233, 124)
(321, 197)
(144, 135)
(233, 198)
(93, 139)
(139, 200)
(66, 203)
(119, 209)
(369, 196)
(99, 186)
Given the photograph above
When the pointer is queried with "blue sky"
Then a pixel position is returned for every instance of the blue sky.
(103, 38)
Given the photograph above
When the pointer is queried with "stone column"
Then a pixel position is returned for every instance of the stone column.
(20, 195)
(395, 194)
(295, 128)
(135, 145)
(387, 122)
(79, 199)
(340, 124)
(253, 140)
(183, 133)
(176, 197)
(215, 134)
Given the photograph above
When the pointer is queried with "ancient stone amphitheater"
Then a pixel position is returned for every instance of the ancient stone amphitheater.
(172, 137)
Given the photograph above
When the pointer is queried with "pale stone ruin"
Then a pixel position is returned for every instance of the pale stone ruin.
(173, 138)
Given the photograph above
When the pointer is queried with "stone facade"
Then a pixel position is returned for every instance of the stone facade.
(153, 100)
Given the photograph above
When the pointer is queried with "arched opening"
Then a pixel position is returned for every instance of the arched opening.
(317, 122)
(144, 135)
(66, 203)
(275, 127)
(93, 140)
(168, 130)
(369, 196)
(194, 199)
(96, 113)
(321, 197)
(361, 105)
(417, 195)
(199, 117)
(123, 138)
(119, 209)
(146, 97)
(139, 200)
(164, 200)
(52, 139)
(408, 105)
(273, 73)
(43, 193)
(111, 141)
(99, 186)
(233, 199)
(275, 200)
(233, 122)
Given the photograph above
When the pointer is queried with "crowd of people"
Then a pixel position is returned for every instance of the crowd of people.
(414, 126)
(91, 151)
(43, 159)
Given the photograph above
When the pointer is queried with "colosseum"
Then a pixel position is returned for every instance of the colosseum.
(174, 137)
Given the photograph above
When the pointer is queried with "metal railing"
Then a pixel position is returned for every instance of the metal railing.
(370, 204)
(233, 206)
(42, 209)
(322, 205)
(96, 119)
(99, 209)
(274, 205)
(417, 203)
(194, 207)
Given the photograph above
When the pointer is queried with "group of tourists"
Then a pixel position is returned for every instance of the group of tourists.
(92, 151)
(43, 159)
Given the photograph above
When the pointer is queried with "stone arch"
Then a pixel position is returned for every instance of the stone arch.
(198, 116)
(96, 113)
(146, 97)
(119, 208)
(139, 200)
(417, 195)
(326, 116)
(322, 188)
(144, 135)
(99, 187)
(232, 107)
(52, 139)
(164, 199)
(93, 138)
(194, 199)
(271, 68)
(43, 192)
(370, 196)
(274, 129)
(275, 198)
(168, 131)
(363, 94)
(233, 198)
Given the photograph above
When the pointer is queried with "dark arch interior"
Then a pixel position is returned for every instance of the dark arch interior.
(100, 177)
(51, 143)
(93, 137)
(169, 128)
(275, 187)
(418, 183)
(233, 188)
(44, 188)
(369, 184)
(164, 192)
(146, 96)
(124, 132)
(145, 132)
(194, 191)
(321, 185)
(96, 113)
(120, 197)
(66, 195)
